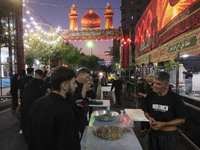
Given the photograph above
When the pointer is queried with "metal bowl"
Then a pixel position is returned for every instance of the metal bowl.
(105, 115)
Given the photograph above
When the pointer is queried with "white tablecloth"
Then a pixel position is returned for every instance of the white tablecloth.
(136, 114)
(106, 103)
(91, 142)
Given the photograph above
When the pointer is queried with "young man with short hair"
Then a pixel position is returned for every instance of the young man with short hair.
(165, 111)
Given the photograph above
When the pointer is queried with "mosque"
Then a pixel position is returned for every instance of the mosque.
(91, 20)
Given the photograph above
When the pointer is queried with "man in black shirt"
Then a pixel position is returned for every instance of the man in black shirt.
(95, 79)
(80, 94)
(33, 91)
(165, 111)
(52, 122)
(188, 81)
(117, 84)
(22, 85)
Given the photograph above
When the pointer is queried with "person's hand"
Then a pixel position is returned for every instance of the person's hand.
(86, 86)
(19, 100)
(79, 135)
(144, 95)
(157, 125)
(152, 121)
(80, 103)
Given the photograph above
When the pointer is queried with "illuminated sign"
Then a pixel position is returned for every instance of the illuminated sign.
(159, 25)
(187, 43)
(91, 34)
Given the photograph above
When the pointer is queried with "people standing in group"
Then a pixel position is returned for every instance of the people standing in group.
(22, 85)
(32, 92)
(95, 79)
(52, 121)
(83, 86)
(144, 89)
(117, 84)
(188, 81)
(165, 111)
(14, 90)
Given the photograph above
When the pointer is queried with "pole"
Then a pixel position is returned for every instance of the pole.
(19, 37)
(177, 72)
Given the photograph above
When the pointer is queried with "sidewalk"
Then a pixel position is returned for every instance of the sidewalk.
(5, 98)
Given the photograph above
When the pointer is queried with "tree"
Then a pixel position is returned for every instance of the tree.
(114, 53)
(90, 62)
(42, 47)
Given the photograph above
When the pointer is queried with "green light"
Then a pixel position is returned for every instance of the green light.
(90, 44)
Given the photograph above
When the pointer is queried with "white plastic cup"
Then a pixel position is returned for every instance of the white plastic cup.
(121, 112)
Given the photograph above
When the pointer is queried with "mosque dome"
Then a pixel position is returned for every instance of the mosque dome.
(91, 20)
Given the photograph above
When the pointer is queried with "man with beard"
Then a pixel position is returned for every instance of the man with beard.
(165, 111)
(52, 122)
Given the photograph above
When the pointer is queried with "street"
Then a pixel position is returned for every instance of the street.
(9, 128)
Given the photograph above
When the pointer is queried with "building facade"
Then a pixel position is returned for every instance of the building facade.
(131, 11)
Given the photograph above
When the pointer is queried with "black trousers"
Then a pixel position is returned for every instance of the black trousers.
(117, 95)
(14, 102)
(163, 140)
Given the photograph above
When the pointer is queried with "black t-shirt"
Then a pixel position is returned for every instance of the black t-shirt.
(164, 108)
(117, 84)
(145, 88)
(23, 83)
(80, 112)
(95, 79)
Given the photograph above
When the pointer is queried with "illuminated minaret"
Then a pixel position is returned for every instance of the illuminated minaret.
(108, 17)
(73, 18)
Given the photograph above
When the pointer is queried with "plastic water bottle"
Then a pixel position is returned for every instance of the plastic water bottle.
(121, 115)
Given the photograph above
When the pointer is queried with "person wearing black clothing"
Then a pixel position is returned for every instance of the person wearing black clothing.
(52, 124)
(117, 84)
(188, 81)
(82, 79)
(91, 94)
(95, 79)
(14, 90)
(144, 89)
(47, 80)
(32, 92)
(22, 85)
(165, 111)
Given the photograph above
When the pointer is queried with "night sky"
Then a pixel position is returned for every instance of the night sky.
(58, 16)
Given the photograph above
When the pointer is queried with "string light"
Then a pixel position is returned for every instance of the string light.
(34, 26)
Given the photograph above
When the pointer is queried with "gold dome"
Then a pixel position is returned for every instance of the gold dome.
(91, 20)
